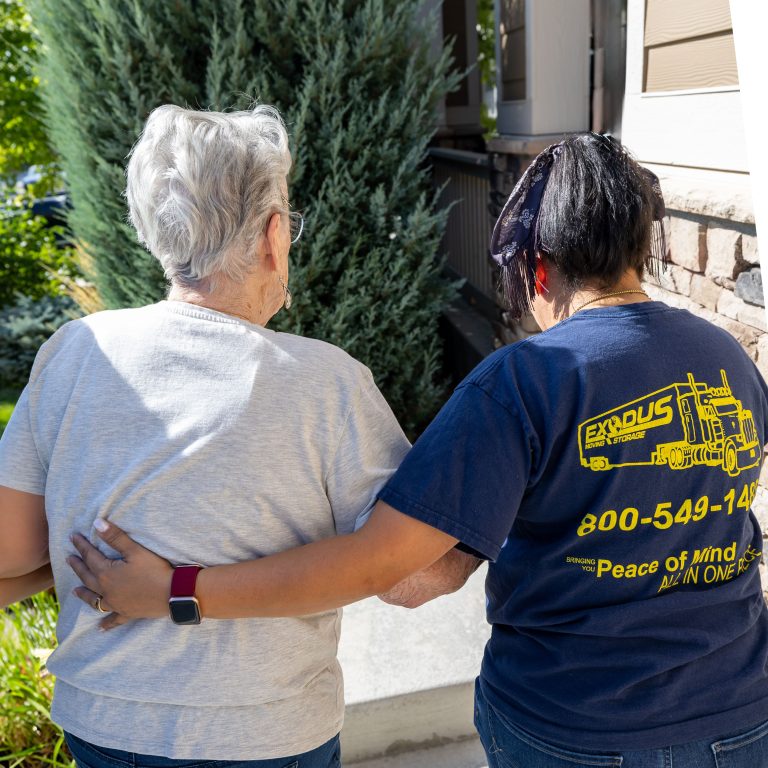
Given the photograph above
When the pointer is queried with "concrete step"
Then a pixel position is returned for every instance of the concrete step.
(463, 754)
(409, 674)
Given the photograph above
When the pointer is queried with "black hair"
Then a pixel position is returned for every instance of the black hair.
(597, 213)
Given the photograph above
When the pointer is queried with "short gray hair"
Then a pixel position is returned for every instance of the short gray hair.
(201, 187)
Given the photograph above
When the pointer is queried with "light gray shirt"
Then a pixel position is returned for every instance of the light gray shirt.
(210, 440)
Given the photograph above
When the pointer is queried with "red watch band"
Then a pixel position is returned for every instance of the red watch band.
(184, 579)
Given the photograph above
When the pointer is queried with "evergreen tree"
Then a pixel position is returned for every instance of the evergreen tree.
(357, 85)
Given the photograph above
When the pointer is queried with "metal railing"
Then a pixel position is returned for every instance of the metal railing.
(468, 232)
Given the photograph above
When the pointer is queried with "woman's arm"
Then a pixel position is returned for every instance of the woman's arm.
(448, 574)
(17, 588)
(316, 577)
(23, 532)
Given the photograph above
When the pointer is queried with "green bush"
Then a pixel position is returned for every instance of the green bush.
(31, 264)
(358, 85)
(24, 327)
(8, 398)
(23, 139)
(28, 738)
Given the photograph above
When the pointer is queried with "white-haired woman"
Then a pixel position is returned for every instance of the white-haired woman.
(211, 439)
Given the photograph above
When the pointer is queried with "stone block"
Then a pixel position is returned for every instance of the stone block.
(714, 194)
(723, 251)
(676, 279)
(760, 508)
(735, 308)
(651, 278)
(749, 287)
(763, 481)
(746, 335)
(687, 239)
(749, 249)
(705, 292)
(762, 366)
(672, 299)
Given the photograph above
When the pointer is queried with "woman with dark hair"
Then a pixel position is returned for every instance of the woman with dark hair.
(605, 467)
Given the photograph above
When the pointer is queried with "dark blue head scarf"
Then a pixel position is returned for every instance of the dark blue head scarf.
(515, 243)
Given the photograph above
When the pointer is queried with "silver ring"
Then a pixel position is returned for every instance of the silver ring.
(97, 605)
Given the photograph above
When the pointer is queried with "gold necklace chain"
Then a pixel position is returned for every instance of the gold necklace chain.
(607, 296)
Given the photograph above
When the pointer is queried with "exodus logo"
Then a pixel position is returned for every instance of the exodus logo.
(645, 416)
(685, 424)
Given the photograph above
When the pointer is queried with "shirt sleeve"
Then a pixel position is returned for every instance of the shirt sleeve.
(370, 449)
(20, 464)
(466, 475)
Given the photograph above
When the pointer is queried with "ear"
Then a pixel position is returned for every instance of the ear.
(272, 242)
(541, 276)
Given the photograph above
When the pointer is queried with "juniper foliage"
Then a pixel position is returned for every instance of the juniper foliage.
(357, 82)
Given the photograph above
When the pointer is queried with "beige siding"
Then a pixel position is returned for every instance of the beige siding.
(704, 63)
(688, 44)
(670, 20)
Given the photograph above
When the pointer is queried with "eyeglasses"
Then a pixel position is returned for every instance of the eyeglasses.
(296, 221)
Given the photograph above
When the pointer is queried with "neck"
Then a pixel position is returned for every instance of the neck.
(226, 298)
(558, 302)
(628, 290)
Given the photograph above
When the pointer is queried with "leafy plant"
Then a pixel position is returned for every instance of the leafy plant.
(28, 738)
(31, 262)
(23, 138)
(8, 398)
(24, 327)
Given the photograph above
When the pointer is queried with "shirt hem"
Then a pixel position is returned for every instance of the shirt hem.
(61, 715)
(716, 726)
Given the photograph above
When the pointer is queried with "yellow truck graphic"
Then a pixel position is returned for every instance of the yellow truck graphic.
(681, 425)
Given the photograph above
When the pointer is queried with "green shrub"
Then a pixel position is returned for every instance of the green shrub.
(31, 264)
(23, 139)
(24, 327)
(358, 85)
(28, 738)
(8, 398)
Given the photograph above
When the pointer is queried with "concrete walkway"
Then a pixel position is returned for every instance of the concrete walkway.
(409, 675)
(463, 754)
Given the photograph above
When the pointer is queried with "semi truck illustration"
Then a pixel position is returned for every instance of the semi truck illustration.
(681, 425)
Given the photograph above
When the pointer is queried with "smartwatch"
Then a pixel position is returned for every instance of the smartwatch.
(182, 604)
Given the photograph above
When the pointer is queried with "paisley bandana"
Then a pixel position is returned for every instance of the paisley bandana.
(514, 242)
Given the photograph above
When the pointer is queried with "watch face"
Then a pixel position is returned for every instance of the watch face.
(184, 610)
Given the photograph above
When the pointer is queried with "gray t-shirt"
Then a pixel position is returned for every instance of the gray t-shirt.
(209, 440)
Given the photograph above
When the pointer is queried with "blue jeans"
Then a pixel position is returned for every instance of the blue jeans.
(508, 746)
(90, 756)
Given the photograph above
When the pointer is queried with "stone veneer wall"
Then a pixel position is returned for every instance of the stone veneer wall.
(715, 273)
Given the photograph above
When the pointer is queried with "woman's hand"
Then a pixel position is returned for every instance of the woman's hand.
(448, 574)
(136, 586)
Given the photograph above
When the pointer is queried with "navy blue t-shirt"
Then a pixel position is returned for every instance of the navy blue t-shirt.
(607, 467)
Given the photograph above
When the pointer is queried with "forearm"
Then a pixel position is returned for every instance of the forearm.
(316, 577)
(23, 533)
(448, 574)
(325, 574)
(14, 589)
(18, 566)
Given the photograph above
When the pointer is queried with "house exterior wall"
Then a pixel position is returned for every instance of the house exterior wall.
(682, 118)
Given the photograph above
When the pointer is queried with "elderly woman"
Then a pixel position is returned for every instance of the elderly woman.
(211, 439)
(605, 467)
